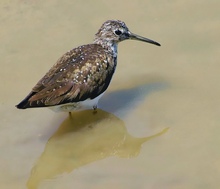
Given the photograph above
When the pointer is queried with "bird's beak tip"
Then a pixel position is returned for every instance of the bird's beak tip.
(140, 38)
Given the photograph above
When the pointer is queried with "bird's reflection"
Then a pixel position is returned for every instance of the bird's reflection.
(84, 138)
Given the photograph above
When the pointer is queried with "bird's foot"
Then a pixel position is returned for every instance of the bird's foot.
(95, 109)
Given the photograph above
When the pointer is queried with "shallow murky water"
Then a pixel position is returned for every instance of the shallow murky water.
(158, 124)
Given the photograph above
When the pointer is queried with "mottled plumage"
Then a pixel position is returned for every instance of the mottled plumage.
(82, 74)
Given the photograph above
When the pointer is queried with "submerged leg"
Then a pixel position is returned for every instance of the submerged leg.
(94, 109)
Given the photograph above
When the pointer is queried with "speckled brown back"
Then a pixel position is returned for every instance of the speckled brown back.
(81, 73)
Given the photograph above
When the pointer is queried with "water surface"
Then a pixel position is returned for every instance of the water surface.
(158, 123)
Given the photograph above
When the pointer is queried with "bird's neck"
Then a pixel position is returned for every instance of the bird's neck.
(110, 46)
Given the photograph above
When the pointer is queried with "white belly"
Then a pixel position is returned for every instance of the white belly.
(77, 106)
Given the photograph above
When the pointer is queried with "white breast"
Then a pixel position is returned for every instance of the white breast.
(77, 106)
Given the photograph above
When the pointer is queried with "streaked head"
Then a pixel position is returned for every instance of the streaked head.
(116, 31)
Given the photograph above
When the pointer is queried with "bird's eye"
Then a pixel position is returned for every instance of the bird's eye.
(118, 32)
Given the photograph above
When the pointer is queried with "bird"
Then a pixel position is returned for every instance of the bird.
(81, 76)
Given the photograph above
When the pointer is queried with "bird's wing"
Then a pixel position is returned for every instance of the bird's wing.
(81, 73)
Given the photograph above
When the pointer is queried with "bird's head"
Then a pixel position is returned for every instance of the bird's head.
(115, 31)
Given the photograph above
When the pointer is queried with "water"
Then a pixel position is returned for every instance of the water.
(158, 125)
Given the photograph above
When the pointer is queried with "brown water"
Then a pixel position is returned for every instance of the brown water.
(159, 122)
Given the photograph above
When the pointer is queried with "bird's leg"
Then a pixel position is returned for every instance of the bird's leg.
(94, 109)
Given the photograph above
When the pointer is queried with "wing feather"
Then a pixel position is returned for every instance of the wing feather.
(84, 72)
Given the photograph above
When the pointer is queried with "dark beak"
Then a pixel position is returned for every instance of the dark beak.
(140, 38)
